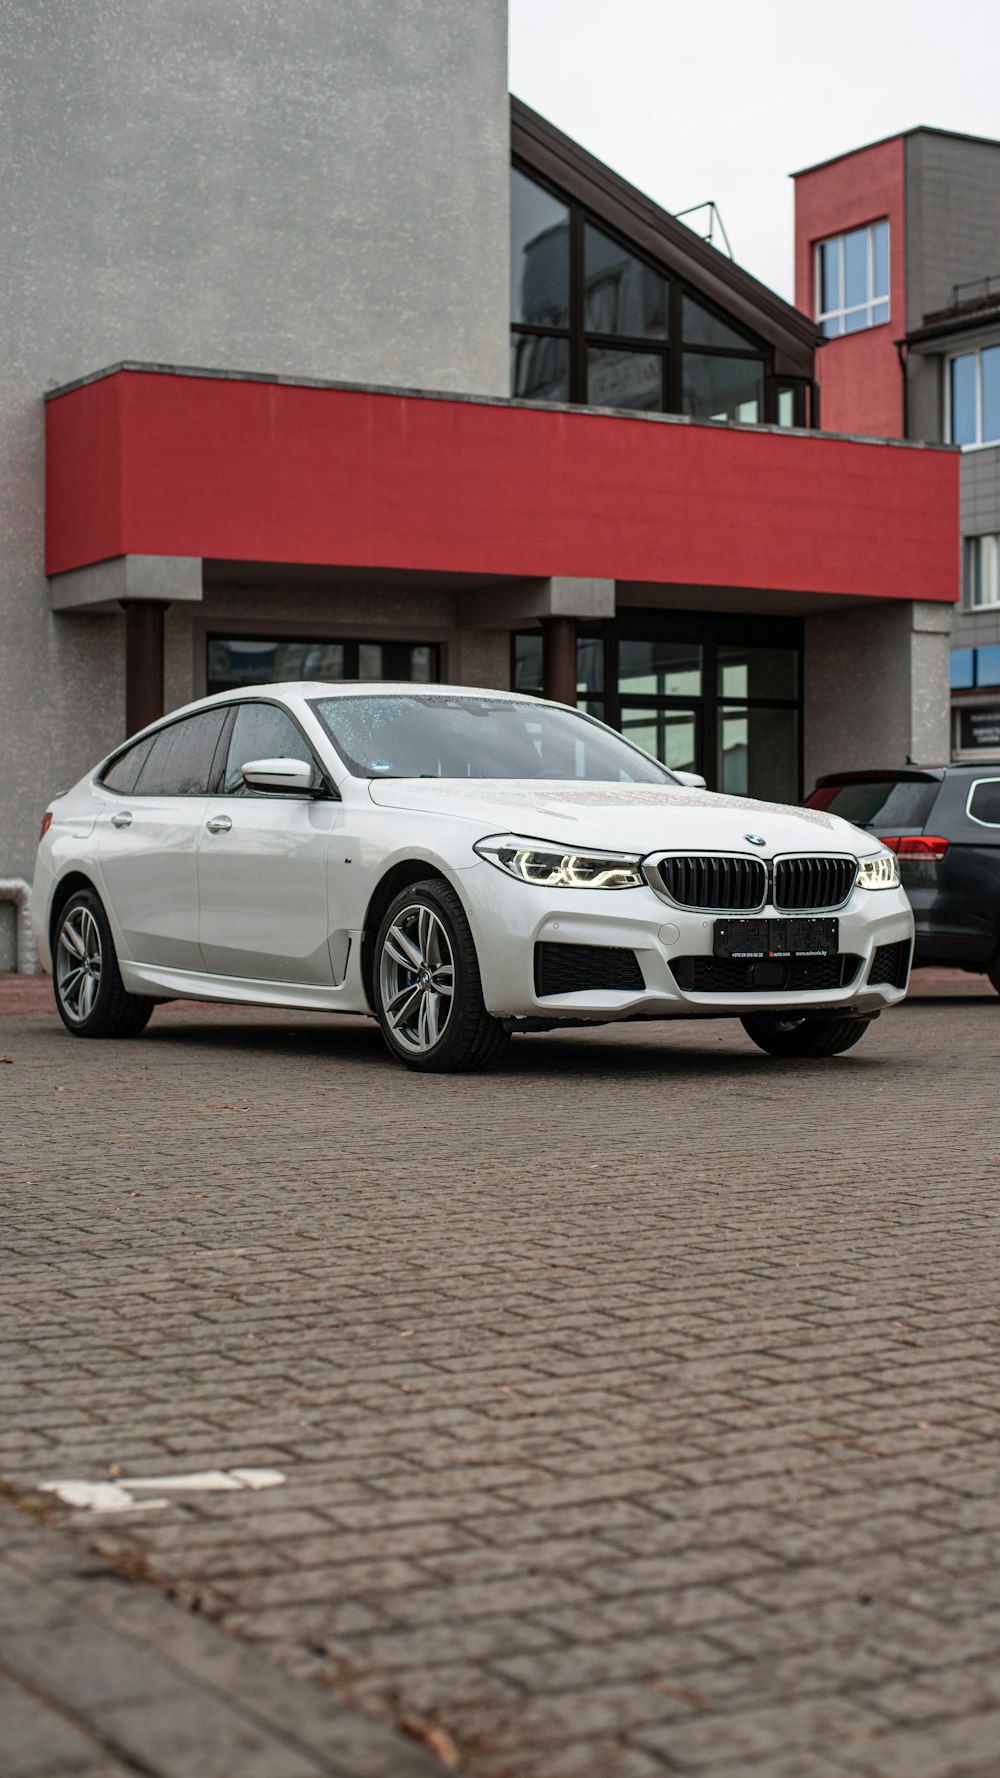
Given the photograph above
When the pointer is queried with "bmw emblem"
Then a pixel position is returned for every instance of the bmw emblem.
(756, 839)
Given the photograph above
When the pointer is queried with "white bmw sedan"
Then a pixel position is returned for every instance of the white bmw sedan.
(460, 864)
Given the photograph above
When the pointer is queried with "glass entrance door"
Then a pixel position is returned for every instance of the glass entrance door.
(703, 692)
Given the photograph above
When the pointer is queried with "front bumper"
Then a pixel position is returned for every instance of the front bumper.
(509, 918)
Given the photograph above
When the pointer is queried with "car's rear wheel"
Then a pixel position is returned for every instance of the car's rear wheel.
(90, 994)
(789, 1036)
(427, 990)
(993, 969)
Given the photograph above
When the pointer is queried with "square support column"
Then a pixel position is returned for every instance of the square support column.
(877, 687)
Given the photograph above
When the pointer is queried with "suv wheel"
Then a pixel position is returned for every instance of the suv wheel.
(993, 969)
(427, 991)
(803, 1037)
(90, 996)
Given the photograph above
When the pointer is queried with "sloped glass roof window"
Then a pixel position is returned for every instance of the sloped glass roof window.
(594, 322)
(704, 328)
(622, 295)
(539, 255)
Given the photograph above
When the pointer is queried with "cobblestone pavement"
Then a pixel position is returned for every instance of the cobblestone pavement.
(637, 1404)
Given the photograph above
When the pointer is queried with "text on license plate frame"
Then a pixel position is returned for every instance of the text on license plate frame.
(792, 937)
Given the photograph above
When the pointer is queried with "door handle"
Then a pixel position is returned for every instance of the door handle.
(124, 819)
(219, 824)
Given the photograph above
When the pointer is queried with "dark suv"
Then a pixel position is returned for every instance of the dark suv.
(943, 822)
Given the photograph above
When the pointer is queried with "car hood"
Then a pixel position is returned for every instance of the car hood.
(638, 818)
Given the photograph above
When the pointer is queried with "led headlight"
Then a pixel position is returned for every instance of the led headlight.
(534, 861)
(879, 873)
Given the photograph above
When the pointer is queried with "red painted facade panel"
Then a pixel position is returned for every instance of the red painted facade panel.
(255, 471)
(861, 384)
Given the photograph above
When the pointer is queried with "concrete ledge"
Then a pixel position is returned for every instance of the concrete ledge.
(103, 586)
(528, 601)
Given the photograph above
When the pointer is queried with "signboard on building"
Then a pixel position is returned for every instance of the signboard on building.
(979, 728)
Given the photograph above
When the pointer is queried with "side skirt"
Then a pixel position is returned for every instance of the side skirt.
(188, 984)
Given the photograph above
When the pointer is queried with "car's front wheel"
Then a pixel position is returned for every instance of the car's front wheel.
(427, 991)
(90, 995)
(784, 1035)
(993, 969)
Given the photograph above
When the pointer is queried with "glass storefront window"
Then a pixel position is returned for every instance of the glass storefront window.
(624, 379)
(704, 328)
(539, 254)
(251, 660)
(758, 752)
(621, 293)
(723, 388)
(665, 669)
(539, 367)
(698, 703)
(670, 735)
(757, 672)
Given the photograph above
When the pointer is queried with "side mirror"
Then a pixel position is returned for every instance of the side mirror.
(690, 780)
(279, 774)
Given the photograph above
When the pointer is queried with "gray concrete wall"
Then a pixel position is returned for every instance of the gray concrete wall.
(980, 504)
(876, 687)
(952, 237)
(952, 218)
(309, 187)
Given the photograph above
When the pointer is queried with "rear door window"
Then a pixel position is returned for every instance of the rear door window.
(261, 731)
(122, 773)
(885, 803)
(984, 802)
(181, 758)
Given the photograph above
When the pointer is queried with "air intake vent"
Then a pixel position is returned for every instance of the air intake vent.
(734, 975)
(725, 885)
(890, 965)
(577, 969)
(813, 882)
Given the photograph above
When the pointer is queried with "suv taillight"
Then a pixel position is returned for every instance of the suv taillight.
(916, 845)
(46, 824)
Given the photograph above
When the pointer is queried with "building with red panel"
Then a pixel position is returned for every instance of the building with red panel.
(897, 257)
(325, 359)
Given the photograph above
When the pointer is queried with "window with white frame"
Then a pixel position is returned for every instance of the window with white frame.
(974, 397)
(982, 572)
(852, 280)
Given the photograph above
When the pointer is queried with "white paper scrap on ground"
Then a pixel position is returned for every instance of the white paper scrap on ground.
(119, 1496)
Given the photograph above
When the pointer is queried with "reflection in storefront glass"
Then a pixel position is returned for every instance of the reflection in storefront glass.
(757, 672)
(758, 753)
(660, 669)
(669, 735)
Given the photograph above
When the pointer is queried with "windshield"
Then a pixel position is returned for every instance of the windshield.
(409, 736)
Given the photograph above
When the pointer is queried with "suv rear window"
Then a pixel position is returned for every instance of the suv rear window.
(887, 803)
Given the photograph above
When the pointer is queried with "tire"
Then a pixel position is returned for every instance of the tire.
(803, 1038)
(993, 969)
(427, 991)
(90, 996)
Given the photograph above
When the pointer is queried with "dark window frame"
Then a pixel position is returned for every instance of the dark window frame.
(351, 645)
(671, 349)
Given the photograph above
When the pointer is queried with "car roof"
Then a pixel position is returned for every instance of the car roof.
(327, 688)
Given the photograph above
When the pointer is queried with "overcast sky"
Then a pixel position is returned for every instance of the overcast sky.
(724, 99)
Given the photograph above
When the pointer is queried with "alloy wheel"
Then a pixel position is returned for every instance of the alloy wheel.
(417, 978)
(79, 959)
